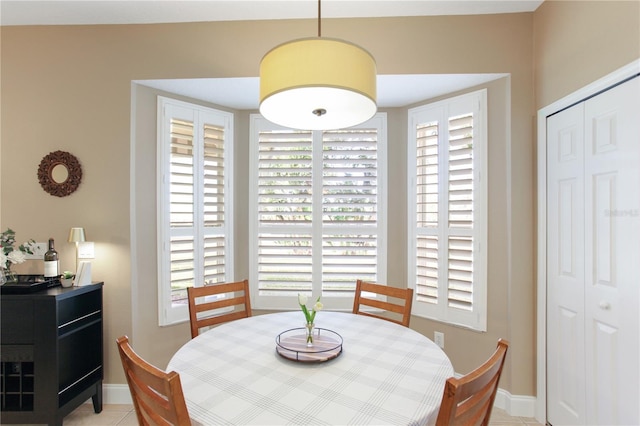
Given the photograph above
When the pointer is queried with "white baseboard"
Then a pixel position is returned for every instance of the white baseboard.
(116, 394)
(514, 405)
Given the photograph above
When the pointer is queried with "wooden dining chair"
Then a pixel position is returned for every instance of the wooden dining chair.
(469, 399)
(398, 312)
(204, 310)
(157, 395)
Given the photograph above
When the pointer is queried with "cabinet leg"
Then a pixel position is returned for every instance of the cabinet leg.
(97, 398)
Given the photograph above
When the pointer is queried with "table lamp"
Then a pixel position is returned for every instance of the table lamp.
(77, 235)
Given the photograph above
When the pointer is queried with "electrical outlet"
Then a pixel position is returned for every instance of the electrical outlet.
(39, 249)
(438, 338)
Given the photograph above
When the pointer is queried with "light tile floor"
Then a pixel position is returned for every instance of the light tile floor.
(124, 415)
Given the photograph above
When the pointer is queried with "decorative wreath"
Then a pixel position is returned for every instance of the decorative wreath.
(45, 173)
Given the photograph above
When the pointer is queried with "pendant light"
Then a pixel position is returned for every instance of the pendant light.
(318, 83)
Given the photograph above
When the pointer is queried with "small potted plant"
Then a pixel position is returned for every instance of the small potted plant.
(66, 279)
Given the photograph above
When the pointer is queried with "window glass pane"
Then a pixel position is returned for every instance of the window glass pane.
(182, 267)
(460, 273)
(427, 174)
(347, 258)
(349, 177)
(213, 175)
(461, 171)
(285, 179)
(214, 259)
(284, 262)
(427, 270)
(181, 169)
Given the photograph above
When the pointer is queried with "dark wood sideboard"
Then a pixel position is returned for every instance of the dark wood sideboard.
(51, 354)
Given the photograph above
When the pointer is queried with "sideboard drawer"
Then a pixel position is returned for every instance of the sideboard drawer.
(74, 308)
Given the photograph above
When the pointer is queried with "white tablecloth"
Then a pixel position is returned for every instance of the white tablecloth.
(386, 375)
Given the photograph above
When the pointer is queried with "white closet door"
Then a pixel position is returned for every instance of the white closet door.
(565, 267)
(612, 250)
(593, 260)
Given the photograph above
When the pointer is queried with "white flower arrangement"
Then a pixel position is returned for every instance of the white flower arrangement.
(10, 255)
(309, 316)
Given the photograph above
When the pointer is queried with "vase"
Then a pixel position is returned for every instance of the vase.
(310, 327)
(8, 276)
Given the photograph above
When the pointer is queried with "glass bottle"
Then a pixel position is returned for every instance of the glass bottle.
(51, 261)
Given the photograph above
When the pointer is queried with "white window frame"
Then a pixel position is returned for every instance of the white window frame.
(344, 301)
(475, 102)
(170, 313)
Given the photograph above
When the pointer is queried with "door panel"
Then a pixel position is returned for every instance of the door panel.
(565, 267)
(605, 354)
(570, 393)
(612, 245)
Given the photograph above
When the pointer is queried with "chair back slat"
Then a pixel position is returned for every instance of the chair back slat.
(157, 396)
(202, 313)
(469, 399)
(399, 301)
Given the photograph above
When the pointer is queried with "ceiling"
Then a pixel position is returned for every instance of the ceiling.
(242, 93)
(77, 12)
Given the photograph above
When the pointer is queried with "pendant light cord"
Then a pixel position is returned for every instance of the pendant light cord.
(319, 14)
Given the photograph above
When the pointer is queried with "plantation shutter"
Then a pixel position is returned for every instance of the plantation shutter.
(214, 204)
(193, 204)
(460, 208)
(449, 268)
(349, 208)
(284, 211)
(319, 225)
(181, 207)
(427, 202)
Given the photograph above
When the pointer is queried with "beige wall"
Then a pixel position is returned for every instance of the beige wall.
(70, 88)
(578, 42)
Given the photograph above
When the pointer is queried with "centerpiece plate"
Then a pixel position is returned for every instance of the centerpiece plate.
(292, 344)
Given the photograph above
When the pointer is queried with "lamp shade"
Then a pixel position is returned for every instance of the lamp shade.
(76, 235)
(318, 84)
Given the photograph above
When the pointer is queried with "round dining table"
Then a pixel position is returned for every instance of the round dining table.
(378, 373)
